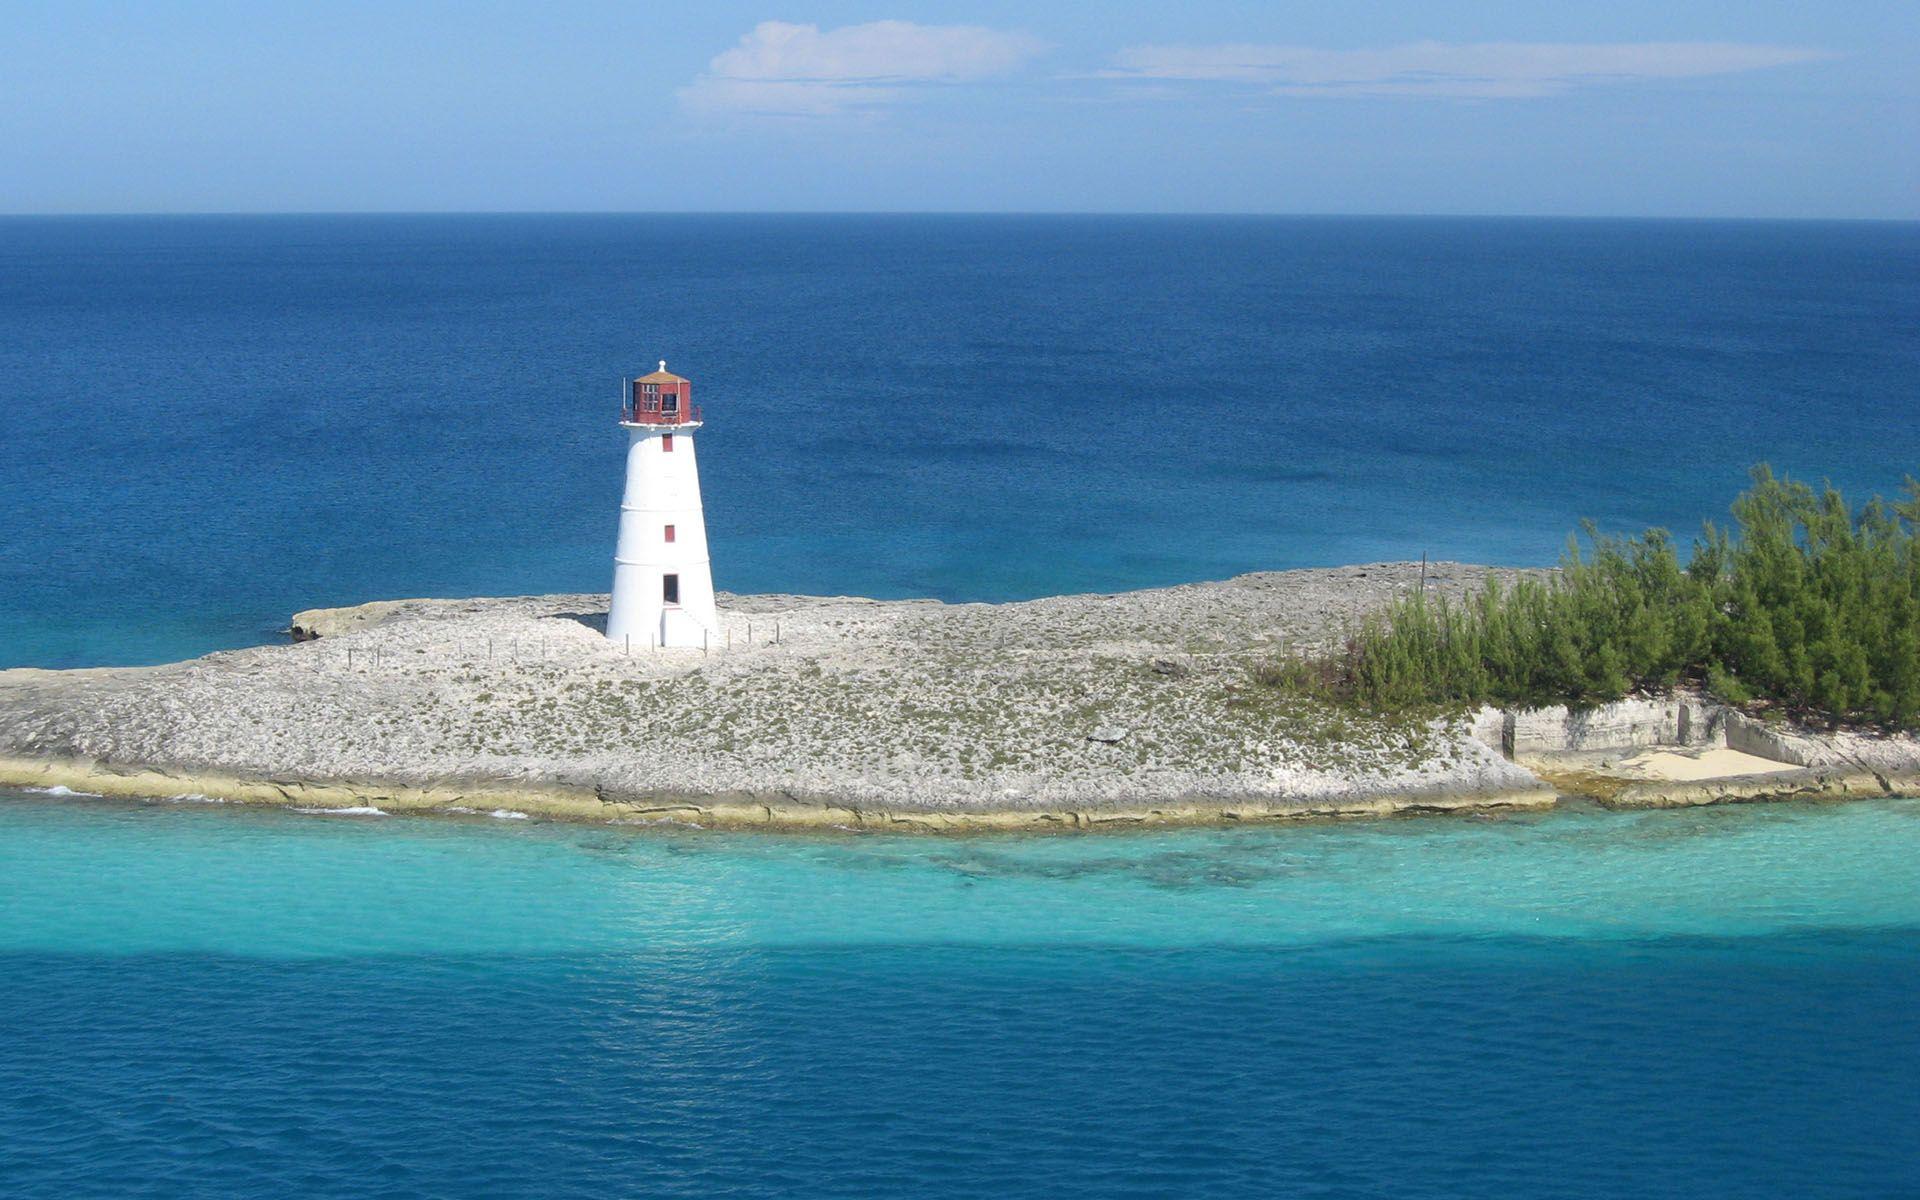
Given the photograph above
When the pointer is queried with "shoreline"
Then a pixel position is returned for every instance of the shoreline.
(585, 805)
(590, 806)
(841, 713)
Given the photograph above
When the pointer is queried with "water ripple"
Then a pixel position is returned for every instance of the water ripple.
(202, 1003)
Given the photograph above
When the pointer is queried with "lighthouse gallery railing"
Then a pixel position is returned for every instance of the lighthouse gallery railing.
(648, 411)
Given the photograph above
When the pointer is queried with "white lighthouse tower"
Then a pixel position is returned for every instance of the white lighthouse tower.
(662, 583)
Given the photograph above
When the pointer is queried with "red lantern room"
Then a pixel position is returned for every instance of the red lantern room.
(659, 399)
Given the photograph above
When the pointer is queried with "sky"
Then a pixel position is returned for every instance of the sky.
(1623, 108)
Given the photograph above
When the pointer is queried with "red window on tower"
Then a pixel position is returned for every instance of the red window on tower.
(666, 443)
(669, 533)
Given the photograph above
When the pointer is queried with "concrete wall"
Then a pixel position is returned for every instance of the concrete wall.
(1782, 745)
(1489, 725)
(1669, 721)
(1687, 720)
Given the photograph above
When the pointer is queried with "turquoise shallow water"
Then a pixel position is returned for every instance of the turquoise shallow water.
(173, 878)
(200, 1000)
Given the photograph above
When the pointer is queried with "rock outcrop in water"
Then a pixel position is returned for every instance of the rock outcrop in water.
(1072, 710)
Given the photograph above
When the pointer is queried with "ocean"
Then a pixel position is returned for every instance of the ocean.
(210, 423)
(213, 422)
(198, 1001)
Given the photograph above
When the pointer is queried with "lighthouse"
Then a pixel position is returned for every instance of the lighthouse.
(662, 583)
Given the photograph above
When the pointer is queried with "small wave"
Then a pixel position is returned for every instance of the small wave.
(652, 822)
(61, 789)
(498, 814)
(361, 810)
(193, 798)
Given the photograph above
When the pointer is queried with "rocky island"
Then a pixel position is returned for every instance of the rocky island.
(1070, 711)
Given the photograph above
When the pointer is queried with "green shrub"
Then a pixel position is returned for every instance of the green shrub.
(1807, 604)
(1727, 686)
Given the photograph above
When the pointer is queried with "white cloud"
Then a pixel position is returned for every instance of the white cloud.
(799, 70)
(1486, 70)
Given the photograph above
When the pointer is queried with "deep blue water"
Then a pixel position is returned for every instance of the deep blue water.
(200, 1002)
(209, 423)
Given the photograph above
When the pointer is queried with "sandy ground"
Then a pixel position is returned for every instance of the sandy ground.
(1704, 762)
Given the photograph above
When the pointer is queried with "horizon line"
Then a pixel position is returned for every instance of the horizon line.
(938, 212)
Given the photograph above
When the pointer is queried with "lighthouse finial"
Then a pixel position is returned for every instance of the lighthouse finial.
(663, 364)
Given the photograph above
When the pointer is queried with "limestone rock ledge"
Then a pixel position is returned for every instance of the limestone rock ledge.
(1826, 783)
(1091, 711)
(735, 812)
(805, 711)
